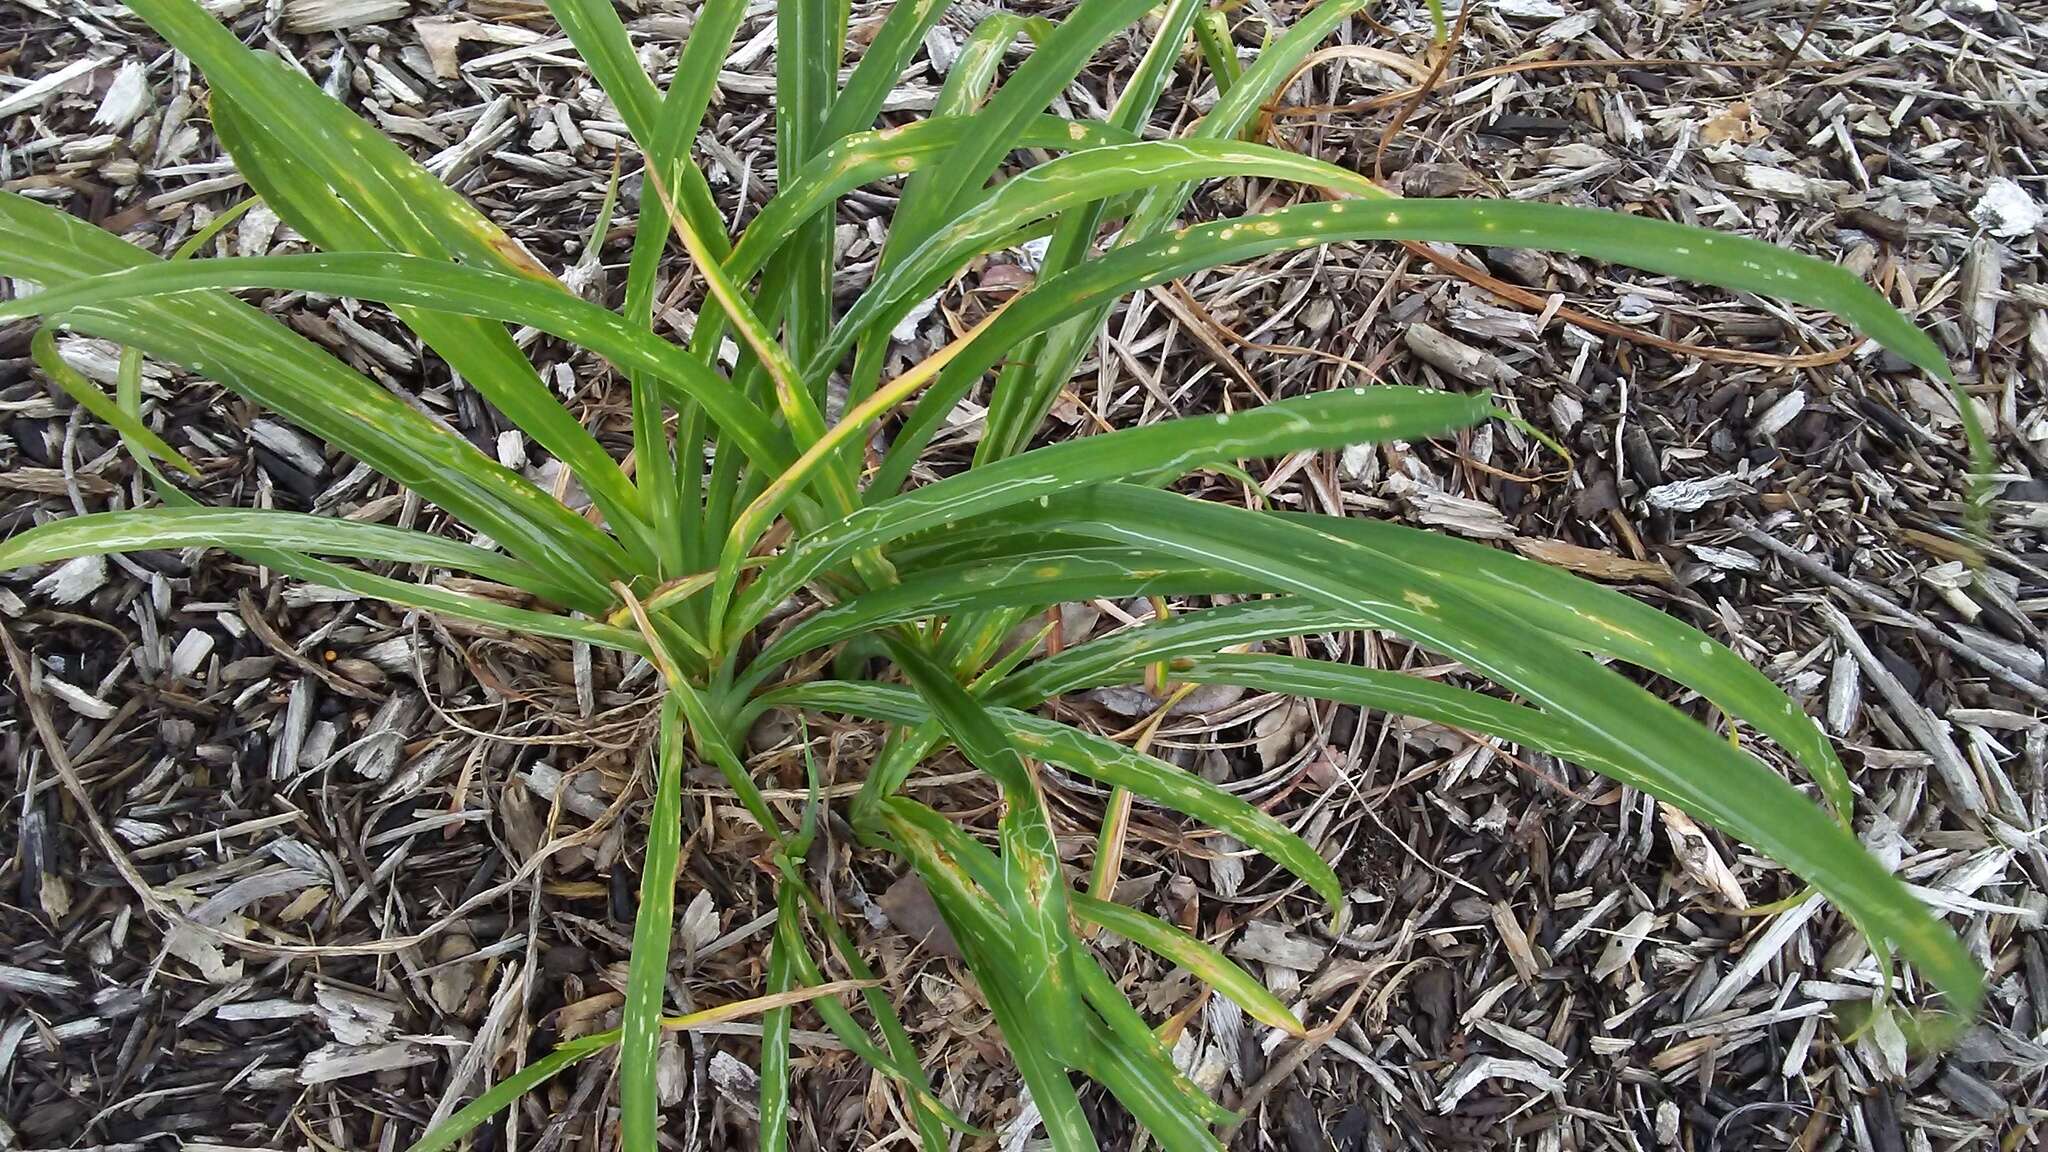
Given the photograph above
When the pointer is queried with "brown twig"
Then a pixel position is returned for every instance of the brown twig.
(1446, 50)
(1537, 301)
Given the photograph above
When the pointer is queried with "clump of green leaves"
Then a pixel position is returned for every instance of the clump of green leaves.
(935, 578)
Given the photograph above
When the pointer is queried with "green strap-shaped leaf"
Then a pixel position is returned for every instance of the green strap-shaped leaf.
(507, 1092)
(1219, 54)
(1033, 890)
(1639, 739)
(1027, 390)
(1113, 658)
(252, 353)
(920, 209)
(866, 157)
(414, 594)
(972, 75)
(1138, 1070)
(394, 278)
(239, 528)
(1583, 614)
(1072, 231)
(1326, 420)
(1240, 102)
(593, 26)
(139, 437)
(775, 1050)
(917, 212)
(1048, 364)
(978, 926)
(1028, 91)
(1140, 95)
(712, 742)
(1127, 1055)
(1604, 621)
(1037, 580)
(482, 353)
(1175, 946)
(1108, 762)
(854, 161)
(840, 1021)
(653, 928)
(1397, 692)
(1061, 183)
(1695, 254)
(1121, 1052)
(775, 1028)
(1085, 754)
(881, 67)
(669, 148)
(806, 63)
(663, 131)
(400, 200)
(441, 602)
(1237, 104)
(898, 1061)
(347, 187)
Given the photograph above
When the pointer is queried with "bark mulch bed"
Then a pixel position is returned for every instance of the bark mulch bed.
(426, 838)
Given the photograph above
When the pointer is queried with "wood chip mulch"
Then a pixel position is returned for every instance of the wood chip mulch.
(359, 864)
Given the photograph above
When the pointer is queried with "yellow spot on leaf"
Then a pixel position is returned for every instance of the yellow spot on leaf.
(516, 256)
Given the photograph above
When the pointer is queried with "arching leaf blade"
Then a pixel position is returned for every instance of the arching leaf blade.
(653, 929)
(390, 197)
(1099, 759)
(507, 1092)
(1033, 891)
(1694, 254)
(481, 353)
(1325, 420)
(393, 278)
(1661, 750)
(268, 363)
(1206, 963)
(1036, 580)
(775, 1030)
(472, 609)
(1062, 183)
(403, 202)
(890, 51)
(141, 529)
(1604, 621)
(866, 157)
(140, 437)
(1141, 1075)
(978, 926)
(1120, 656)
(1021, 401)
(1400, 693)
